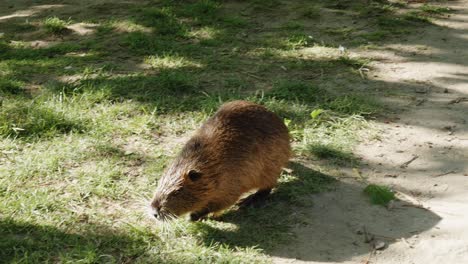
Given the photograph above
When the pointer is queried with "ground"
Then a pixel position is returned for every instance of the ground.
(97, 98)
(430, 124)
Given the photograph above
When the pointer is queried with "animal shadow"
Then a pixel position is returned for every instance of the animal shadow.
(312, 216)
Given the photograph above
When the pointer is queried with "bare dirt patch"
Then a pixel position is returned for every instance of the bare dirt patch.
(429, 73)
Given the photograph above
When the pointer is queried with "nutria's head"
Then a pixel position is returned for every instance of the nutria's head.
(186, 185)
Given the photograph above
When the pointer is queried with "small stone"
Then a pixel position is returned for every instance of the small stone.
(379, 245)
(421, 90)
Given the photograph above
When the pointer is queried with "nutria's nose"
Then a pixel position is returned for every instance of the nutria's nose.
(156, 213)
(156, 209)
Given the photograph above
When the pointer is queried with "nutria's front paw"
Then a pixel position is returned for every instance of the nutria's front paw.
(198, 216)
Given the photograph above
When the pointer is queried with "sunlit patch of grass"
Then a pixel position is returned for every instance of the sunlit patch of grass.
(28, 119)
(204, 33)
(128, 26)
(339, 134)
(55, 25)
(168, 61)
(296, 41)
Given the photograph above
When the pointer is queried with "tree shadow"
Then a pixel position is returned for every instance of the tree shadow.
(245, 51)
(324, 227)
(32, 243)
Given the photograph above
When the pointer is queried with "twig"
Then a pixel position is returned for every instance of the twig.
(253, 75)
(406, 242)
(414, 202)
(404, 165)
(367, 261)
(445, 173)
(362, 70)
(420, 101)
(458, 100)
(368, 237)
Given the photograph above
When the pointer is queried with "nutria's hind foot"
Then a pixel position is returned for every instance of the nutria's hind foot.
(200, 215)
(256, 200)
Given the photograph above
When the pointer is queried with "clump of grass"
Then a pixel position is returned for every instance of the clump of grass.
(10, 86)
(417, 16)
(376, 9)
(435, 10)
(332, 153)
(292, 25)
(342, 31)
(19, 118)
(380, 195)
(201, 9)
(296, 90)
(391, 23)
(169, 61)
(265, 4)
(378, 35)
(142, 43)
(353, 62)
(311, 12)
(163, 20)
(56, 25)
(353, 104)
(296, 41)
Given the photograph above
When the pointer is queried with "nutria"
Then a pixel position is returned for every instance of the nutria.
(242, 148)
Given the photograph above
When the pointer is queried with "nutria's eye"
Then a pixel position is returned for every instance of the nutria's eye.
(194, 175)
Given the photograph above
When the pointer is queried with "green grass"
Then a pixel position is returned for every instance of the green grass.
(435, 10)
(89, 123)
(55, 25)
(417, 16)
(335, 154)
(380, 195)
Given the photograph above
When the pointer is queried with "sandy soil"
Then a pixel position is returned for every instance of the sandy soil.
(429, 126)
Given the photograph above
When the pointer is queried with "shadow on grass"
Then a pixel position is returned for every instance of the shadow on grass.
(317, 227)
(31, 243)
(331, 153)
(236, 59)
(268, 225)
(34, 120)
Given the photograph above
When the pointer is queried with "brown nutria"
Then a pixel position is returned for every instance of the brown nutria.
(242, 148)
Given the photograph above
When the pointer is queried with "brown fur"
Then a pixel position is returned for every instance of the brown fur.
(243, 147)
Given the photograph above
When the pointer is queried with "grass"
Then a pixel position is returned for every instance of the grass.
(88, 123)
(55, 25)
(380, 195)
(435, 10)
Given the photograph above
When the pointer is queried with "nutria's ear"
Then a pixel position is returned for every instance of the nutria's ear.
(194, 175)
